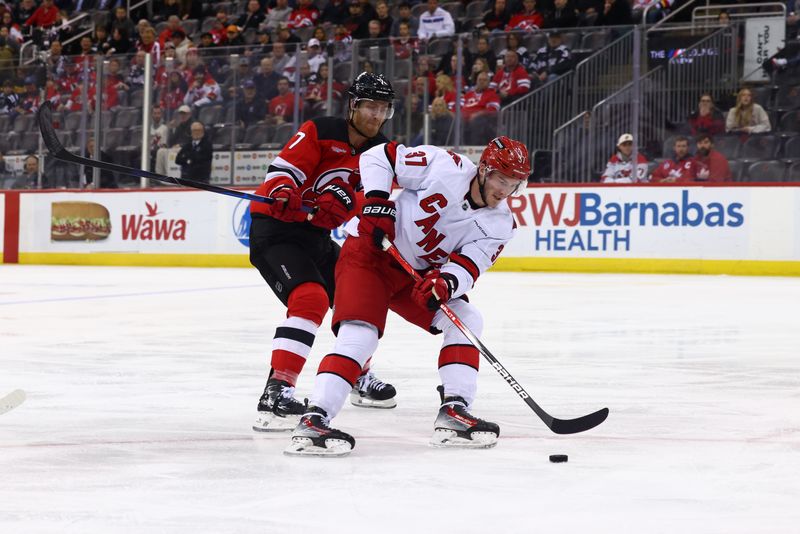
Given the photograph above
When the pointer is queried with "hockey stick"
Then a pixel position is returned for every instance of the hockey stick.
(11, 401)
(559, 426)
(59, 152)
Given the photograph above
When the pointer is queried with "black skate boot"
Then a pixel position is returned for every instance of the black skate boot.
(278, 410)
(314, 437)
(456, 427)
(371, 392)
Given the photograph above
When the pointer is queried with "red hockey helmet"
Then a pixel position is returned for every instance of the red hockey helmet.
(507, 156)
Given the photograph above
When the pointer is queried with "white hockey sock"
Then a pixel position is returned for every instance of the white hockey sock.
(459, 380)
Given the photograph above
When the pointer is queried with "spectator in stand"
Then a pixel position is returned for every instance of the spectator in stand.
(266, 80)
(374, 39)
(564, 15)
(9, 100)
(147, 43)
(86, 51)
(357, 24)
(747, 116)
(485, 51)
(235, 42)
(281, 108)
(181, 127)
(436, 22)
(554, 59)
(9, 51)
(100, 40)
(29, 179)
(404, 15)
(496, 19)
(114, 75)
(317, 93)
(342, 44)
(479, 108)
(441, 123)
(252, 18)
(195, 156)
(6, 174)
(288, 38)
(305, 15)
(234, 84)
(620, 167)
(135, 78)
(368, 10)
(681, 168)
(122, 23)
(478, 66)
(172, 97)
(383, 18)
(250, 109)
(658, 9)
(164, 9)
(203, 91)
(405, 45)
(527, 19)
(316, 57)
(23, 11)
(335, 12)
(511, 81)
(445, 89)
(424, 69)
(56, 63)
(181, 44)
(514, 43)
(710, 165)
(219, 28)
(159, 140)
(119, 43)
(262, 47)
(31, 99)
(14, 31)
(706, 119)
(108, 179)
(45, 16)
(173, 25)
(277, 14)
(615, 13)
(279, 57)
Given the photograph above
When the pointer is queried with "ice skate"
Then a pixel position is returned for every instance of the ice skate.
(278, 410)
(456, 427)
(314, 437)
(371, 392)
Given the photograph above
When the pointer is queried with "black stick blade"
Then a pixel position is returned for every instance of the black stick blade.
(581, 424)
(49, 136)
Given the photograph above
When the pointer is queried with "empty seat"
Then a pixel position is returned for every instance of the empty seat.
(283, 133)
(439, 47)
(136, 98)
(456, 9)
(5, 123)
(28, 142)
(224, 135)
(114, 138)
(595, 40)
(793, 172)
(788, 97)
(791, 148)
(736, 169)
(341, 72)
(209, 115)
(23, 123)
(728, 146)
(534, 41)
(128, 117)
(258, 134)
(72, 121)
(571, 39)
(760, 147)
(475, 9)
(790, 122)
(766, 171)
(762, 95)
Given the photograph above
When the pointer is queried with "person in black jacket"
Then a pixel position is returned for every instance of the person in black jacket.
(196, 155)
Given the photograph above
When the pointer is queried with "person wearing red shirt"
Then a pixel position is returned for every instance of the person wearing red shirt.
(707, 119)
(303, 16)
(479, 109)
(512, 80)
(173, 25)
(681, 168)
(281, 108)
(528, 19)
(45, 15)
(710, 165)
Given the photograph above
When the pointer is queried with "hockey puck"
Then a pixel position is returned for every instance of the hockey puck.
(558, 458)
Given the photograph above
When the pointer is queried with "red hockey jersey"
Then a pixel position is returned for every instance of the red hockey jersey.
(317, 154)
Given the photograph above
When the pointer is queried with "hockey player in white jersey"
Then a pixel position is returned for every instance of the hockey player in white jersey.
(450, 221)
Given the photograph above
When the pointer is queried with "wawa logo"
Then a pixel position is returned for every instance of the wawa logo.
(150, 227)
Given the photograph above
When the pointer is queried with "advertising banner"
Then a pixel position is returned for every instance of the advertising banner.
(763, 37)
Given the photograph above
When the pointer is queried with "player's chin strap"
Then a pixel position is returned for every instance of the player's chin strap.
(559, 426)
(481, 185)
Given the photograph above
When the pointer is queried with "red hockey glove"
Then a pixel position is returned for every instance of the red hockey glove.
(334, 205)
(434, 288)
(377, 217)
(287, 205)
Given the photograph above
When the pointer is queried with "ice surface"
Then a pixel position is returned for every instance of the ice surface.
(142, 385)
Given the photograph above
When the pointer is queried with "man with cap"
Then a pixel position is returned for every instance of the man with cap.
(235, 42)
(294, 253)
(316, 56)
(181, 130)
(250, 109)
(619, 168)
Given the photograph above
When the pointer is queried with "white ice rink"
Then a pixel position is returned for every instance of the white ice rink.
(142, 386)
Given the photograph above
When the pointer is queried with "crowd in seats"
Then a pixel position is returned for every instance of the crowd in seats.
(515, 47)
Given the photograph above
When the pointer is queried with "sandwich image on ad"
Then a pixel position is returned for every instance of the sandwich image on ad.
(79, 221)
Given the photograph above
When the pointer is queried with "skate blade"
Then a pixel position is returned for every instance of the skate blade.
(334, 448)
(269, 422)
(364, 402)
(448, 439)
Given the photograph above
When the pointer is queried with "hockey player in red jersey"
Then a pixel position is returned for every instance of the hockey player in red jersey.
(450, 222)
(294, 251)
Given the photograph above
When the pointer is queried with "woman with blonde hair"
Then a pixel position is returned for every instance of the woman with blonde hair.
(445, 89)
(747, 116)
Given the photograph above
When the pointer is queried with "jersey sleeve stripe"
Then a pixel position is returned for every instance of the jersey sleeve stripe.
(390, 149)
(282, 167)
(467, 264)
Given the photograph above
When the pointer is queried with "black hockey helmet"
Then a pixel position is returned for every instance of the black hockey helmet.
(371, 86)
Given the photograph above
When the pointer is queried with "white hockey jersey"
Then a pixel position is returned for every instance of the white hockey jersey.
(436, 223)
